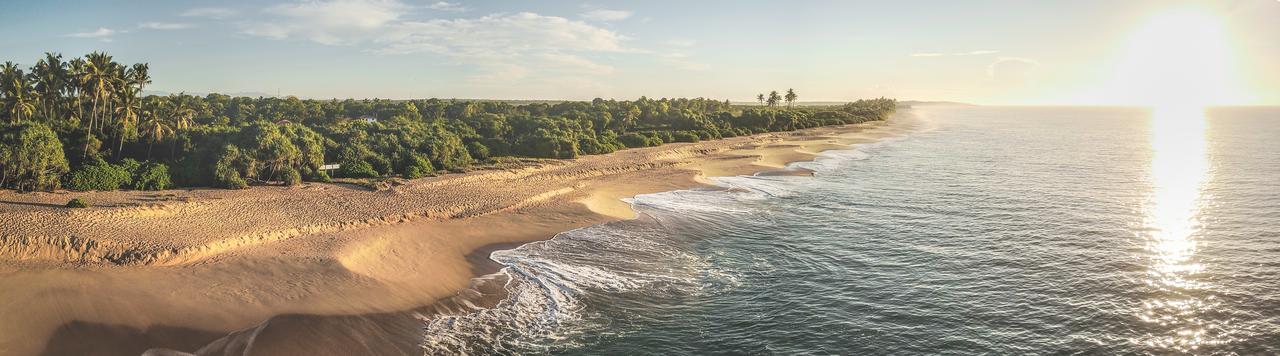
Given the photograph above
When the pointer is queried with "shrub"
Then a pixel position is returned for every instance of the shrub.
(152, 176)
(290, 176)
(226, 174)
(417, 167)
(130, 165)
(685, 136)
(99, 175)
(634, 140)
(478, 151)
(31, 157)
(77, 203)
(357, 169)
(662, 137)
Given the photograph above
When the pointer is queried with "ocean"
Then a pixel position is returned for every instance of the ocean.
(989, 230)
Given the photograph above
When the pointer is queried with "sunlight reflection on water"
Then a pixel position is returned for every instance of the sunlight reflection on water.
(1179, 169)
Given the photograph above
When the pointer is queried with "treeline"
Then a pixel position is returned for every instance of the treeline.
(83, 124)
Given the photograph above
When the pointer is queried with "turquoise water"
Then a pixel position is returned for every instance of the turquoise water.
(987, 231)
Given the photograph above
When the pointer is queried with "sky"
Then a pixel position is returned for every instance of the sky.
(986, 52)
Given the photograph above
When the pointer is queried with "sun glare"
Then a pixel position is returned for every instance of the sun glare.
(1178, 59)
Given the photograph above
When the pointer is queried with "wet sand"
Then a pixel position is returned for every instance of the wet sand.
(323, 268)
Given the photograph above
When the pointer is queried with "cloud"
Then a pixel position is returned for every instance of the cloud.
(334, 22)
(681, 60)
(101, 32)
(447, 6)
(576, 63)
(498, 47)
(1010, 71)
(969, 53)
(164, 25)
(606, 15)
(509, 46)
(500, 35)
(217, 13)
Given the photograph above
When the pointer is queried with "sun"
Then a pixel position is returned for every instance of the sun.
(1179, 58)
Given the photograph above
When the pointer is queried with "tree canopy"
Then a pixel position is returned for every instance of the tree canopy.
(90, 113)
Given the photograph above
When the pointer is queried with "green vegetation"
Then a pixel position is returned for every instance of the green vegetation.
(77, 203)
(89, 113)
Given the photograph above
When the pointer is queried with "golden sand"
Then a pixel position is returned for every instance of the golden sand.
(180, 269)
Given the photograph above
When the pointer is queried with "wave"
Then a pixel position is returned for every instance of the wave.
(552, 284)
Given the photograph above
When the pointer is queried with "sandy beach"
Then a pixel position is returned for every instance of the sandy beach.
(327, 268)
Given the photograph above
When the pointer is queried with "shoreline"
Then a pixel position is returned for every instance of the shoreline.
(372, 269)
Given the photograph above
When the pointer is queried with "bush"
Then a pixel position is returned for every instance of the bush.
(290, 176)
(685, 136)
(226, 174)
(478, 151)
(634, 140)
(77, 203)
(31, 157)
(417, 167)
(152, 176)
(357, 169)
(99, 175)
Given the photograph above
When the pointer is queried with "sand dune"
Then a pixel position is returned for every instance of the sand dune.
(180, 269)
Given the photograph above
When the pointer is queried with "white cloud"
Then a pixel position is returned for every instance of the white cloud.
(1011, 70)
(210, 12)
(500, 35)
(498, 47)
(681, 60)
(447, 6)
(164, 25)
(509, 46)
(969, 53)
(576, 63)
(333, 22)
(101, 32)
(606, 15)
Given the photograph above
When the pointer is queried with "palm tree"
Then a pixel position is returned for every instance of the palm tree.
(156, 127)
(50, 76)
(8, 73)
(760, 97)
(129, 110)
(791, 97)
(139, 76)
(97, 78)
(774, 98)
(18, 97)
(76, 84)
(22, 102)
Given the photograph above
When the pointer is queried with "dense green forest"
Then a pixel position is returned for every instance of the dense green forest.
(83, 124)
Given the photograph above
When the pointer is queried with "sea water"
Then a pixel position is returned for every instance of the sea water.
(990, 231)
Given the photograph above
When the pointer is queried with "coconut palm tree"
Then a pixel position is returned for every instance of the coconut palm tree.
(50, 80)
(760, 97)
(156, 126)
(19, 99)
(98, 76)
(774, 98)
(8, 72)
(139, 76)
(791, 97)
(129, 110)
(76, 84)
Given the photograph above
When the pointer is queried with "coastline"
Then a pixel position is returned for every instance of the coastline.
(371, 259)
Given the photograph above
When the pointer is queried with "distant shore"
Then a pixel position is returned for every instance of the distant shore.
(181, 268)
